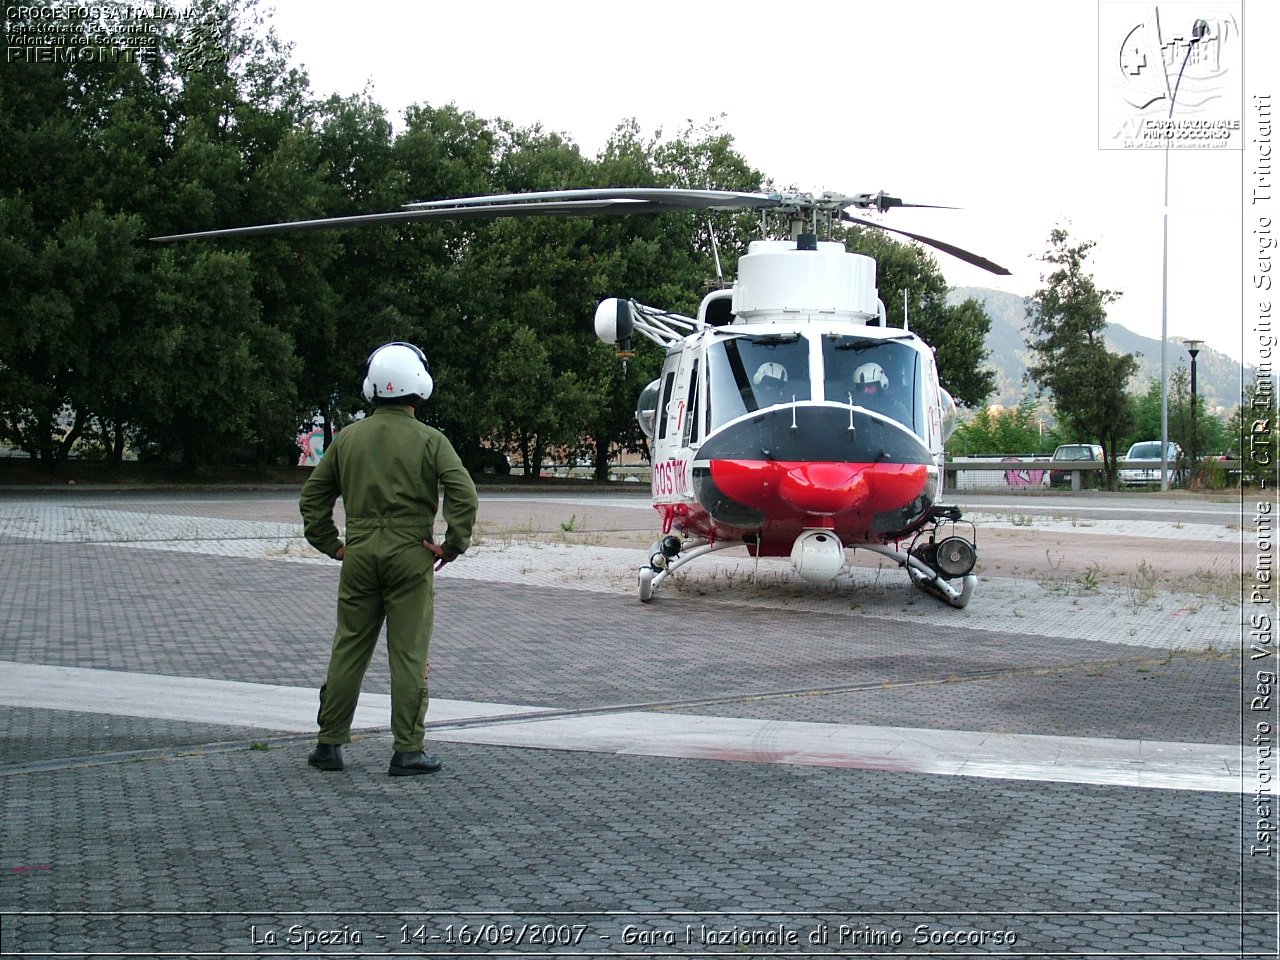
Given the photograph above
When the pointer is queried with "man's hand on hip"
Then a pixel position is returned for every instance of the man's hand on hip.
(438, 550)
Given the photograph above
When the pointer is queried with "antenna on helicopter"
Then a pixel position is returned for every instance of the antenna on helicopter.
(715, 253)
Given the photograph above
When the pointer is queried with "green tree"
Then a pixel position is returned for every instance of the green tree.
(224, 377)
(439, 293)
(108, 337)
(705, 158)
(1065, 322)
(537, 408)
(991, 432)
(664, 260)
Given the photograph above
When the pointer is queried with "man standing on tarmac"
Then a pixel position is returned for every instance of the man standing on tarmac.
(390, 470)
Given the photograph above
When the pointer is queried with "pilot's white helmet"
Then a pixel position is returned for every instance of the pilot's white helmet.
(396, 370)
(871, 373)
(770, 369)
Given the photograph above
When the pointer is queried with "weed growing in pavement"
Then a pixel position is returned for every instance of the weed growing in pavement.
(1141, 585)
(1089, 578)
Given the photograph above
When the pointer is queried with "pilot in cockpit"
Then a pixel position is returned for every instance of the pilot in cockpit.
(871, 390)
(770, 383)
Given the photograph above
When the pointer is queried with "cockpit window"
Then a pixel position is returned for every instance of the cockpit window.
(874, 373)
(748, 373)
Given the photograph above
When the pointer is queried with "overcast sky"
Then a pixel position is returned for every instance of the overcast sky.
(988, 105)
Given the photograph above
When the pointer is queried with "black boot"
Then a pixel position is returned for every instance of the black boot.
(326, 756)
(412, 764)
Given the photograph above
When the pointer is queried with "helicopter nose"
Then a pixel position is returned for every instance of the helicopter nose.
(824, 488)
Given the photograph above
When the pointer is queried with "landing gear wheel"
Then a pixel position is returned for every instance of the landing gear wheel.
(644, 583)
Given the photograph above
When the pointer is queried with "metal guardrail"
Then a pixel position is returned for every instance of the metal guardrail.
(1019, 472)
(1022, 472)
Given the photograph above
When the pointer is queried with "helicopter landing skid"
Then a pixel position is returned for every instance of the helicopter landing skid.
(927, 579)
(660, 566)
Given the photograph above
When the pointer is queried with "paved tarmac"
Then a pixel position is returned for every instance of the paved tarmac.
(748, 766)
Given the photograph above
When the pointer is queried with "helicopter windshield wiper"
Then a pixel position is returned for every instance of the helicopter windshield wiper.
(769, 339)
(865, 343)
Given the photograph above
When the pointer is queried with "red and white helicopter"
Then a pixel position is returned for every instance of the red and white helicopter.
(788, 416)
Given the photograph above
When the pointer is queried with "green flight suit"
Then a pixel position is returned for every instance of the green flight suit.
(390, 470)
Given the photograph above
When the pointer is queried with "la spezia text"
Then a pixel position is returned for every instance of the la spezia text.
(304, 937)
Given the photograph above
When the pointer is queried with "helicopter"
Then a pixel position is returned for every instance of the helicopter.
(789, 418)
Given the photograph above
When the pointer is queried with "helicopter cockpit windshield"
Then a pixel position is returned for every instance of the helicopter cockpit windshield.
(877, 374)
(748, 373)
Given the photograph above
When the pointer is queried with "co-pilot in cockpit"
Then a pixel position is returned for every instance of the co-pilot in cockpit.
(881, 375)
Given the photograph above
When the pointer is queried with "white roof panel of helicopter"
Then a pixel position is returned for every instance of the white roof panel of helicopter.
(776, 278)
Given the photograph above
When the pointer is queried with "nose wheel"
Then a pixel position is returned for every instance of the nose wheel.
(668, 555)
(645, 584)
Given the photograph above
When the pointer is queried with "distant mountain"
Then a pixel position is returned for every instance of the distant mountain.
(1217, 375)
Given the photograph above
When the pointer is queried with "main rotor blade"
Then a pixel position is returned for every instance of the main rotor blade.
(958, 252)
(882, 201)
(580, 203)
(676, 198)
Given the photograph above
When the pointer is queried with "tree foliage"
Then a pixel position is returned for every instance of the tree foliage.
(1065, 321)
(1211, 433)
(992, 432)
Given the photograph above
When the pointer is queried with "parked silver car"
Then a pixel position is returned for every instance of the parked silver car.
(1149, 452)
(1089, 452)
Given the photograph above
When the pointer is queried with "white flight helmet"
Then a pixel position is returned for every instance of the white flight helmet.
(396, 370)
(770, 369)
(871, 373)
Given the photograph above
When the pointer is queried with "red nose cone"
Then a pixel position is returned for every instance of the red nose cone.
(824, 488)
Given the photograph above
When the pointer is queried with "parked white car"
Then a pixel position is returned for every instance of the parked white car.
(1148, 451)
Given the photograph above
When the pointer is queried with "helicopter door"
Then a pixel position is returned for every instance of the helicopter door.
(693, 413)
(677, 426)
(669, 412)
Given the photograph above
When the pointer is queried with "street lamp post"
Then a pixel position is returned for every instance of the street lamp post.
(1199, 30)
(1193, 348)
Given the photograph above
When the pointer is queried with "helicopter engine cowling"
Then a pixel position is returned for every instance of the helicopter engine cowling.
(818, 555)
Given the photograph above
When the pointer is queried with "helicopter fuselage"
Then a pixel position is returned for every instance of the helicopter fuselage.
(761, 433)
(789, 417)
(792, 406)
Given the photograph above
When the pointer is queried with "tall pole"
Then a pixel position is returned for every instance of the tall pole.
(1199, 30)
(1193, 348)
